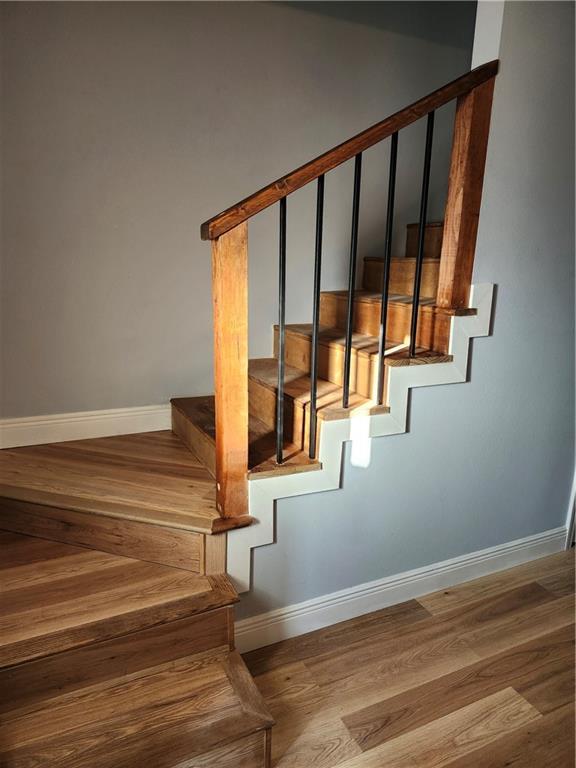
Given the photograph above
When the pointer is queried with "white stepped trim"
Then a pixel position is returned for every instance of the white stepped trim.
(263, 492)
(294, 620)
(36, 430)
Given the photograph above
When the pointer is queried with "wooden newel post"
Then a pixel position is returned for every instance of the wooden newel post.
(471, 128)
(230, 300)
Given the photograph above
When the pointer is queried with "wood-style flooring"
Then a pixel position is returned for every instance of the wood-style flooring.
(151, 477)
(476, 676)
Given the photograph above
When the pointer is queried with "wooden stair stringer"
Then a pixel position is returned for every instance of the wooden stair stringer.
(263, 492)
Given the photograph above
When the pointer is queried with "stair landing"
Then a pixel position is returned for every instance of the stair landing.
(150, 478)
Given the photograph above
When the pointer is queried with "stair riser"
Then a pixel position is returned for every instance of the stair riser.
(129, 538)
(363, 368)
(262, 402)
(433, 328)
(93, 664)
(402, 276)
(432, 240)
(195, 439)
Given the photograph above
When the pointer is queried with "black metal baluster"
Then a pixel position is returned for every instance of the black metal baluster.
(386, 267)
(352, 279)
(316, 317)
(281, 334)
(421, 233)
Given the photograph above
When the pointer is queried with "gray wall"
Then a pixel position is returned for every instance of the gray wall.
(127, 124)
(492, 460)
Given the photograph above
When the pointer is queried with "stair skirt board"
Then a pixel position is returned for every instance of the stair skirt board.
(317, 613)
(263, 492)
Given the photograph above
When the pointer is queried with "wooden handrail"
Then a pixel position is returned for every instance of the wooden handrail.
(242, 211)
(229, 235)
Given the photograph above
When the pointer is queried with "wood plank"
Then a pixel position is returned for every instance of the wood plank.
(25, 686)
(248, 752)
(270, 194)
(347, 687)
(521, 627)
(90, 581)
(6, 538)
(364, 357)
(215, 553)
(384, 651)
(453, 736)
(367, 672)
(118, 477)
(27, 550)
(335, 637)
(301, 743)
(527, 667)
(561, 583)
(230, 303)
(303, 734)
(432, 240)
(36, 574)
(262, 439)
(555, 691)
(130, 538)
(262, 386)
(433, 329)
(250, 695)
(461, 595)
(88, 604)
(544, 743)
(292, 690)
(401, 275)
(196, 427)
(173, 714)
(469, 145)
(263, 453)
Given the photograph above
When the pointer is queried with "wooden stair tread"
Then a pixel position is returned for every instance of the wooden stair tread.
(363, 344)
(374, 297)
(433, 326)
(401, 275)
(55, 596)
(150, 477)
(297, 387)
(162, 717)
(262, 441)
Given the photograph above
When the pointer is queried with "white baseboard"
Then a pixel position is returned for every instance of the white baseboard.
(36, 430)
(294, 620)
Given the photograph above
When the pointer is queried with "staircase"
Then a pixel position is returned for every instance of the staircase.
(193, 418)
(117, 631)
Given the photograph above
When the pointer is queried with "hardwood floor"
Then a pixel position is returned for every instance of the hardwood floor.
(477, 676)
